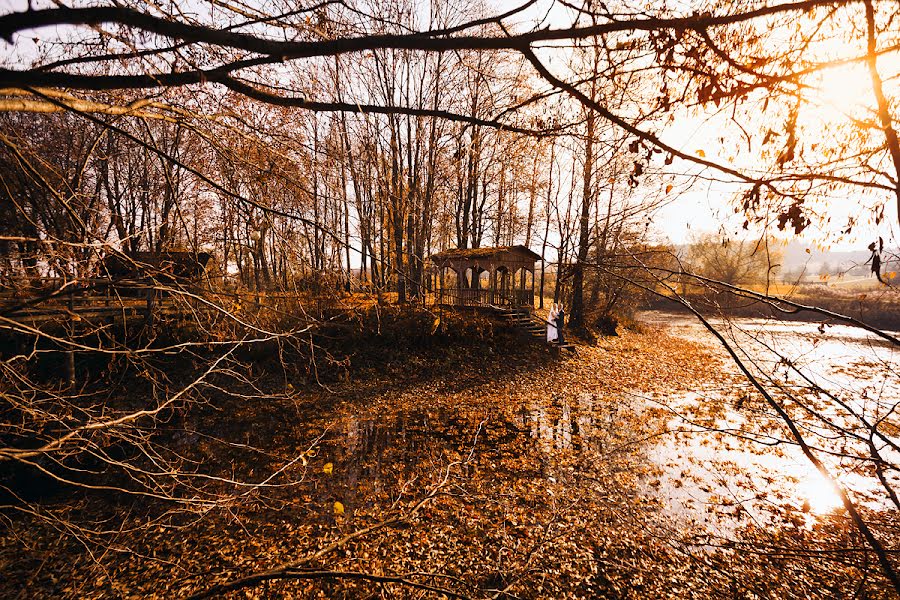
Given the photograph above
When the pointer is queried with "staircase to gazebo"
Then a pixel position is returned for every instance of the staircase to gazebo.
(526, 321)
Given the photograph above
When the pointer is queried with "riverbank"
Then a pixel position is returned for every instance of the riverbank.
(486, 470)
(878, 308)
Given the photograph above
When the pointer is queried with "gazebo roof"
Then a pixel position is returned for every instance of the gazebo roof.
(497, 254)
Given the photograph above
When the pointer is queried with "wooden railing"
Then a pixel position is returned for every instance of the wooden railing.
(522, 297)
(477, 297)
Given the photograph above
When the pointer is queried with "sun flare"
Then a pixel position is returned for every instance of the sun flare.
(819, 493)
(842, 88)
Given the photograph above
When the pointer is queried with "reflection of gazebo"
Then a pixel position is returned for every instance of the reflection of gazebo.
(484, 276)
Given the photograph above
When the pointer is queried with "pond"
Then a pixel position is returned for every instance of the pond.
(711, 454)
(729, 458)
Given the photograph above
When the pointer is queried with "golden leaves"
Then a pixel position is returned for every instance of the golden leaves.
(338, 509)
(328, 468)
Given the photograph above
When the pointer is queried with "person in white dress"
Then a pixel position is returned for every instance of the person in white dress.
(551, 323)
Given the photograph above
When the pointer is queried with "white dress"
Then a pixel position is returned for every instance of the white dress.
(551, 326)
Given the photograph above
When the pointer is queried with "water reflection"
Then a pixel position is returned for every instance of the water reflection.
(368, 449)
(758, 468)
(720, 468)
(560, 425)
(722, 481)
(372, 448)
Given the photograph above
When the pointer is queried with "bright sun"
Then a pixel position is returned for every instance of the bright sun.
(844, 89)
(818, 491)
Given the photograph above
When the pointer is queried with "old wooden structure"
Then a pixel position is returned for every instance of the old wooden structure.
(167, 266)
(497, 276)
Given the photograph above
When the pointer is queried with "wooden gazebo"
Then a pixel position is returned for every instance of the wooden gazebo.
(496, 276)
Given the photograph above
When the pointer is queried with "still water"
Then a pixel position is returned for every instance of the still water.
(730, 458)
(717, 457)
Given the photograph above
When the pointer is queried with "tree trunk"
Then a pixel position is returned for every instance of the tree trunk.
(577, 310)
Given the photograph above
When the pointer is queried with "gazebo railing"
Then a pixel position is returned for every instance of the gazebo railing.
(464, 297)
(522, 297)
(479, 297)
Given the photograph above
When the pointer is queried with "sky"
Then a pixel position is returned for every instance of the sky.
(706, 206)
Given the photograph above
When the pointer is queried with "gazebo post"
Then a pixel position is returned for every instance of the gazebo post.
(532, 290)
(493, 283)
(521, 287)
(441, 293)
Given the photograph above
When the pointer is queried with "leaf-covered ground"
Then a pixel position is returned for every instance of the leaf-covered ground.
(498, 471)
